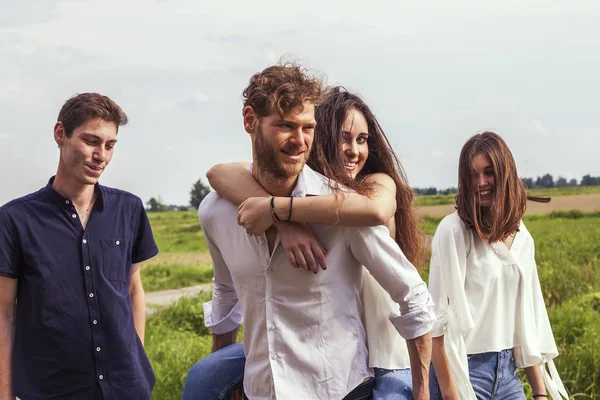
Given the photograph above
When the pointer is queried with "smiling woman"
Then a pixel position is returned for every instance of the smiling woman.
(484, 281)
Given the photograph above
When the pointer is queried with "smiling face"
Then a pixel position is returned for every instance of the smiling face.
(483, 180)
(86, 153)
(281, 146)
(355, 134)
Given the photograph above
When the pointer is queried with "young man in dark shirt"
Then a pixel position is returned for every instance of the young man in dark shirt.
(72, 306)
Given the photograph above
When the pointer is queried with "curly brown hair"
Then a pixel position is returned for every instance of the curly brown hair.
(510, 196)
(86, 106)
(281, 88)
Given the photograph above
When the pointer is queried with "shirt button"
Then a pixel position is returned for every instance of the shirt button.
(87, 267)
(74, 215)
(269, 269)
(98, 349)
(117, 243)
(91, 294)
(67, 202)
(101, 377)
(84, 241)
(94, 322)
(273, 356)
(269, 299)
(272, 327)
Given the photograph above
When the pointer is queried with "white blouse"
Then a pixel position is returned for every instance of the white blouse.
(487, 299)
(387, 349)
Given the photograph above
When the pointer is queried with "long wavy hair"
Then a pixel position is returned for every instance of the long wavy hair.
(327, 158)
(510, 197)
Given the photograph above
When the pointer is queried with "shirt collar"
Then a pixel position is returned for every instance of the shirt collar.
(61, 200)
(310, 183)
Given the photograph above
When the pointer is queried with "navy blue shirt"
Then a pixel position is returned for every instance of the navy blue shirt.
(75, 337)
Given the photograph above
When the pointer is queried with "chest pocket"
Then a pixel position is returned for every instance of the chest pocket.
(116, 265)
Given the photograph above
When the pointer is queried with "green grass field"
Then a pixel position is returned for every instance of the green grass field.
(183, 259)
(438, 200)
(567, 254)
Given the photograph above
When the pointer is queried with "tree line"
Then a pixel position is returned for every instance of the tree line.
(199, 190)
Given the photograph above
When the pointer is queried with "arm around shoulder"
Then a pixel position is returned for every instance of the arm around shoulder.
(234, 182)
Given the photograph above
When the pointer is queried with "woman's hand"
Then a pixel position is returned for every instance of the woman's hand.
(303, 248)
(254, 215)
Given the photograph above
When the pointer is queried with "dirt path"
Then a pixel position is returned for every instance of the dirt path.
(582, 202)
(156, 300)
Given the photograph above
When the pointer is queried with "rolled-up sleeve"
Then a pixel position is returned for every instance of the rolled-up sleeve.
(380, 254)
(223, 314)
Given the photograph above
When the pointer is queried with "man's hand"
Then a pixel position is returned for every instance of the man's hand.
(419, 350)
(303, 248)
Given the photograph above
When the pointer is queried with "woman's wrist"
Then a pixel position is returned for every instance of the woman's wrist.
(282, 208)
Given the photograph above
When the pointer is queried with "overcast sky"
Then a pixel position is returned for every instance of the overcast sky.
(434, 73)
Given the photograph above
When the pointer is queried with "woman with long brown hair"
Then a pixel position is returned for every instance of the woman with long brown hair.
(483, 278)
(351, 149)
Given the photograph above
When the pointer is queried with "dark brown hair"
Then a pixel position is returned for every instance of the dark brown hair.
(503, 217)
(86, 106)
(327, 158)
(281, 88)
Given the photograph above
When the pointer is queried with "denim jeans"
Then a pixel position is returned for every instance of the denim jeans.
(217, 375)
(392, 384)
(492, 375)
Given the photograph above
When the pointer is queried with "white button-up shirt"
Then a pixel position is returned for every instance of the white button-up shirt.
(303, 334)
(487, 299)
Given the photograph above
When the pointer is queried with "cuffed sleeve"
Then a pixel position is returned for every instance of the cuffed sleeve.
(218, 324)
(380, 254)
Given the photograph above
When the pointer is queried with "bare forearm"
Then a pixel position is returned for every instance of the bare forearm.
(6, 342)
(534, 376)
(234, 182)
(138, 305)
(419, 350)
(224, 340)
(346, 209)
(442, 369)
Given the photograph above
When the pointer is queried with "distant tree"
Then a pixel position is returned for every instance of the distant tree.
(430, 191)
(589, 180)
(528, 182)
(198, 193)
(561, 182)
(545, 181)
(573, 182)
(155, 205)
